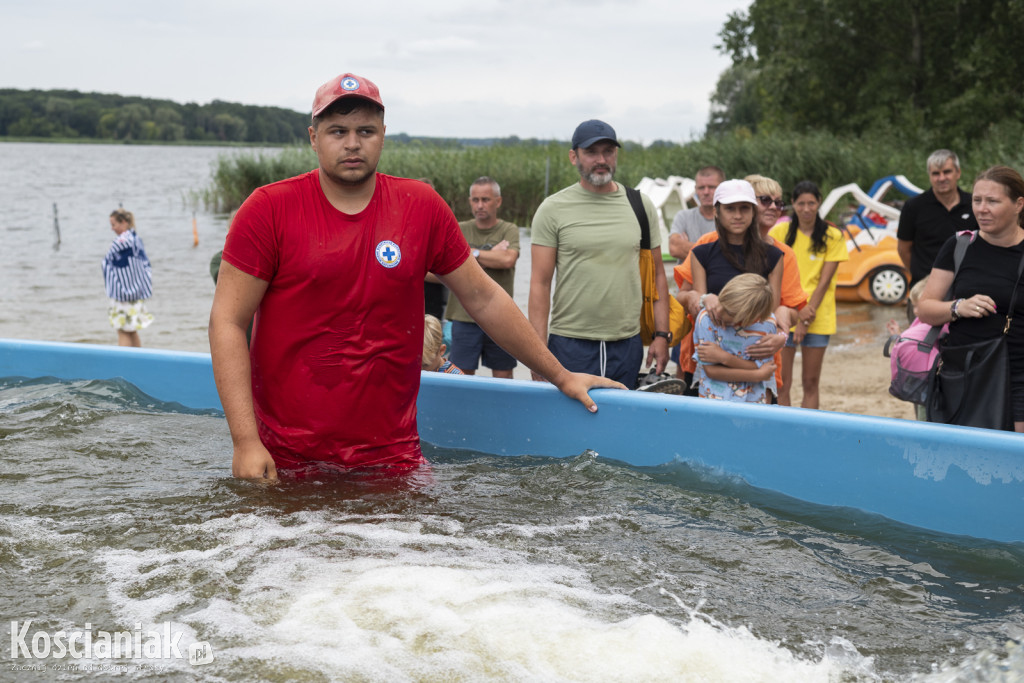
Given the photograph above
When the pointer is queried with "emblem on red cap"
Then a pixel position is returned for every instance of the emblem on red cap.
(349, 84)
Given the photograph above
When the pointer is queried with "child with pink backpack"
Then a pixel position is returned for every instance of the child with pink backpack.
(912, 355)
(914, 351)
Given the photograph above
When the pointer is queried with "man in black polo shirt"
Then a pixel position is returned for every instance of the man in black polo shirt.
(934, 216)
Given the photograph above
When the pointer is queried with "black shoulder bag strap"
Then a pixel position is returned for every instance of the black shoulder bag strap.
(637, 202)
(1013, 297)
(962, 242)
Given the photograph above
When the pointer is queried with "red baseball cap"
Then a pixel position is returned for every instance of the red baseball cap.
(345, 85)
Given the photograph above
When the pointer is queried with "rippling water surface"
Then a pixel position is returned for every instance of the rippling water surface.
(114, 512)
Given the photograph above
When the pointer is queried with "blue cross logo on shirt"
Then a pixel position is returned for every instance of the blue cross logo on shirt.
(388, 254)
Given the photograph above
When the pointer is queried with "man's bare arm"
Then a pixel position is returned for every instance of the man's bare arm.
(658, 350)
(679, 246)
(237, 296)
(500, 257)
(500, 317)
(903, 248)
(542, 271)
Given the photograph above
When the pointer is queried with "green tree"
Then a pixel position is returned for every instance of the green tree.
(131, 122)
(228, 127)
(11, 111)
(59, 111)
(85, 117)
(939, 72)
(736, 102)
(168, 124)
(69, 113)
(106, 128)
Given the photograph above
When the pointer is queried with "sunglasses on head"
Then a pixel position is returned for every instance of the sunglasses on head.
(767, 201)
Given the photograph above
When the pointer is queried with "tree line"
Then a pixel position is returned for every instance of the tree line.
(69, 114)
(941, 73)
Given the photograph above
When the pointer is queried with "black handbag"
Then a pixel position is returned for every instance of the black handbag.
(970, 386)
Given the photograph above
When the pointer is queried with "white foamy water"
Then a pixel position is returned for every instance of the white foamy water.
(391, 600)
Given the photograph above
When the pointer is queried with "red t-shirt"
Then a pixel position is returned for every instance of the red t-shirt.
(338, 338)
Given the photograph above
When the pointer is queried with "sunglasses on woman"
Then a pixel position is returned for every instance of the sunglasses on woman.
(767, 202)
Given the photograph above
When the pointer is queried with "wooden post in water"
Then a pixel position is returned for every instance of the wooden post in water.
(56, 227)
(195, 231)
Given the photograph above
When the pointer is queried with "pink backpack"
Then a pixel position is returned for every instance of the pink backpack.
(915, 351)
(911, 359)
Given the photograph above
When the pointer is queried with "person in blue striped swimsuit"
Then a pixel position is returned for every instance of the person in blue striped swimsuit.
(128, 279)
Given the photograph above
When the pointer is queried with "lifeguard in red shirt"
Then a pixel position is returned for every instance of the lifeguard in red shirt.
(332, 264)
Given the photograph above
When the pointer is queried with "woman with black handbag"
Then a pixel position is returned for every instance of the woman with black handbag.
(979, 377)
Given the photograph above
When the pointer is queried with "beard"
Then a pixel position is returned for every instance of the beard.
(596, 178)
(349, 176)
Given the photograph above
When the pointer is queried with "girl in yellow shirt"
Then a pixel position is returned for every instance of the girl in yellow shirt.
(819, 248)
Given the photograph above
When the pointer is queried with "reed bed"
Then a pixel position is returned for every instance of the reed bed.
(527, 171)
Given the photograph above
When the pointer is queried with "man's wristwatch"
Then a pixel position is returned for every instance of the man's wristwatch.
(476, 253)
(666, 335)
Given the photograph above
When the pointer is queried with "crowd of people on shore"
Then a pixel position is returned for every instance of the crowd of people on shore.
(585, 234)
(738, 244)
(326, 271)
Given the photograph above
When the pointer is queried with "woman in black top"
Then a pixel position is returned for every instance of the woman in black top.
(984, 283)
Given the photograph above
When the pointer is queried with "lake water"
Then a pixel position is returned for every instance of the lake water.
(56, 293)
(115, 512)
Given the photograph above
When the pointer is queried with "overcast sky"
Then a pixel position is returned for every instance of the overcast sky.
(481, 68)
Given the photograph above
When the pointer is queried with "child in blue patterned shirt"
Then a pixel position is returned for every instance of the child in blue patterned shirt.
(724, 369)
(128, 280)
(434, 348)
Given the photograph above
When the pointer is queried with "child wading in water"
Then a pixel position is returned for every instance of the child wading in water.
(724, 370)
(434, 348)
(128, 279)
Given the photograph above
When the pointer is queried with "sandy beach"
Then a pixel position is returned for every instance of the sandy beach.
(855, 379)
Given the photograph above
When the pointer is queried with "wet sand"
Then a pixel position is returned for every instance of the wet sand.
(856, 380)
(855, 377)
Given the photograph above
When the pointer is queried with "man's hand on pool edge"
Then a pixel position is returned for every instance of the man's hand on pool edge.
(577, 384)
(253, 462)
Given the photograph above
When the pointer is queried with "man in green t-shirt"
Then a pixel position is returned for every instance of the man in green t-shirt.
(589, 233)
(495, 245)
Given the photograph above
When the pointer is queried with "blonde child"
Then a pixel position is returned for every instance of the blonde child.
(912, 354)
(128, 280)
(913, 296)
(434, 348)
(724, 370)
